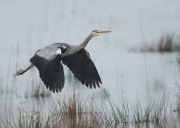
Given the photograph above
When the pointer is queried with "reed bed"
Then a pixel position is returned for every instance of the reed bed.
(77, 112)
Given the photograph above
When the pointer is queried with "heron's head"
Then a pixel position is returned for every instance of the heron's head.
(98, 32)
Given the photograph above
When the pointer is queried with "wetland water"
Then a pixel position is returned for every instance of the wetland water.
(126, 75)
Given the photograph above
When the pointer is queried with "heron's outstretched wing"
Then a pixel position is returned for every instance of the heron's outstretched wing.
(48, 62)
(83, 68)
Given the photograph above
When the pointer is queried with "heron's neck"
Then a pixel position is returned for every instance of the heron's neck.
(85, 42)
(77, 48)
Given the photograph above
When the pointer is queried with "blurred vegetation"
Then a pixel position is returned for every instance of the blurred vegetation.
(166, 43)
(76, 112)
(37, 90)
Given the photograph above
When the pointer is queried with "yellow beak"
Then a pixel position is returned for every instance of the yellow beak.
(104, 32)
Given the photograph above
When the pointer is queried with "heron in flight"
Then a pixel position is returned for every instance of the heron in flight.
(49, 61)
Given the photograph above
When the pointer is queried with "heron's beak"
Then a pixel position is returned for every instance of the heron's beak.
(104, 32)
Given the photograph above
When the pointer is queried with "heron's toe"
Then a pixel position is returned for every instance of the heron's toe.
(20, 72)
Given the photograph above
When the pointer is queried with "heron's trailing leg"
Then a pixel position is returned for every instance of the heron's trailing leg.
(20, 72)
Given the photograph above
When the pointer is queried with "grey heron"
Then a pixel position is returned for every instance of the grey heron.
(49, 61)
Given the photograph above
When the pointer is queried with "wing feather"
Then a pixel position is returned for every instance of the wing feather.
(91, 76)
(48, 62)
(83, 68)
(83, 72)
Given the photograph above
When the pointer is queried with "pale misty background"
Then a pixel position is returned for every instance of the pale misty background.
(31, 25)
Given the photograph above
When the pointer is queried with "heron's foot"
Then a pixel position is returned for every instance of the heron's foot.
(20, 72)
